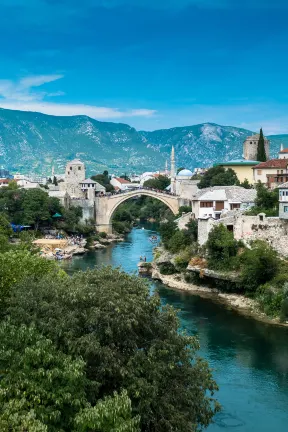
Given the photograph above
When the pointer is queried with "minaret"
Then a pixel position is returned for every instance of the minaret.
(173, 162)
(281, 147)
(173, 171)
(52, 173)
(166, 168)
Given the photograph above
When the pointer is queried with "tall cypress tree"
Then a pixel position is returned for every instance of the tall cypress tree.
(261, 153)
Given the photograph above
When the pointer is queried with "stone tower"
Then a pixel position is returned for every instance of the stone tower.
(74, 175)
(250, 147)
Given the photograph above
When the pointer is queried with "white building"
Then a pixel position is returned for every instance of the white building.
(122, 184)
(91, 185)
(27, 184)
(216, 200)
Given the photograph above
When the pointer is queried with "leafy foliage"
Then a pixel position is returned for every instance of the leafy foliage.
(221, 247)
(111, 414)
(127, 341)
(38, 382)
(161, 182)
(218, 176)
(15, 266)
(104, 180)
(259, 265)
(266, 201)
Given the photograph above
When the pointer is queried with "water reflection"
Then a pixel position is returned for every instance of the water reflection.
(249, 358)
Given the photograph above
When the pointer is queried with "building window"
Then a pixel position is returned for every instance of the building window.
(259, 172)
(79, 168)
(206, 204)
(285, 209)
(70, 168)
(219, 205)
(235, 206)
(251, 142)
(68, 172)
(281, 171)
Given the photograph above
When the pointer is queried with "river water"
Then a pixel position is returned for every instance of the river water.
(249, 358)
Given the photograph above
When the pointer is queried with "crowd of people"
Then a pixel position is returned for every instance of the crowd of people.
(119, 192)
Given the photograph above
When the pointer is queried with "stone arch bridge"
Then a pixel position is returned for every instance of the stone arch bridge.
(106, 205)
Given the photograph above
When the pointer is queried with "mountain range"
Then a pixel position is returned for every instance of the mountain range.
(32, 142)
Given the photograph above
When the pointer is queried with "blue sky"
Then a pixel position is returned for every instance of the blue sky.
(149, 63)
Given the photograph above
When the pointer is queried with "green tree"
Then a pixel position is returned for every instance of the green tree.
(35, 207)
(55, 181)
(246, 185)
(259, 265)
(39, 384)
(218, 176)
(266, 201)
(261, 153)
(125, 177)
(111, 414)
(104, 180)
(5, 227)
(161, 182)
(128, 341)
(18, 265)
(221, 248)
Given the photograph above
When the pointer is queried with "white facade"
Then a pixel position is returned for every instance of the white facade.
(122, 184)
(215, 201)
(27, 184)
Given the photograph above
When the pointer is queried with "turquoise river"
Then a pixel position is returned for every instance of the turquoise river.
(249, 358)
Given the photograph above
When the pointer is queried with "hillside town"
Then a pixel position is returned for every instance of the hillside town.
(207, 204)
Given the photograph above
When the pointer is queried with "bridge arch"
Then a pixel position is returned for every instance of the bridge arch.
(106, 206)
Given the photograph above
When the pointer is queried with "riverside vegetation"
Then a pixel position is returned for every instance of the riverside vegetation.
(253, 270)
(92, 352)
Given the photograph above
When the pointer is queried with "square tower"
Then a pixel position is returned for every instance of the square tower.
(75, 174)
(250, 147)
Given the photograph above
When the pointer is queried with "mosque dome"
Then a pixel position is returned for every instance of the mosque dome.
(185, 173)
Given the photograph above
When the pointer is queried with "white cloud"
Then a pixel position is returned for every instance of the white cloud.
(21, 95)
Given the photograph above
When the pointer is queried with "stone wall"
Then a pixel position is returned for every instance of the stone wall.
(87, 206)
(183, 220)
(247, 228)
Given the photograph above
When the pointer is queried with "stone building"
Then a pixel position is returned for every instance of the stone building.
(273, 230)
(250, 147)
(217, 200)
(74, 177)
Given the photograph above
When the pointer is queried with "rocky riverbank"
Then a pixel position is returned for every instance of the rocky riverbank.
(104, 242)
(238, 302)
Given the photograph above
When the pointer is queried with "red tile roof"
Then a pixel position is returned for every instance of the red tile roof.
(273, 163)
(4, 181)
(121, 180)
(284, 150)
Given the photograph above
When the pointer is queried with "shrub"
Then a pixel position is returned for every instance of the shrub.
(221, 247)
(167, 269)
(259, 265)
(103, 234)
(178, 241)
